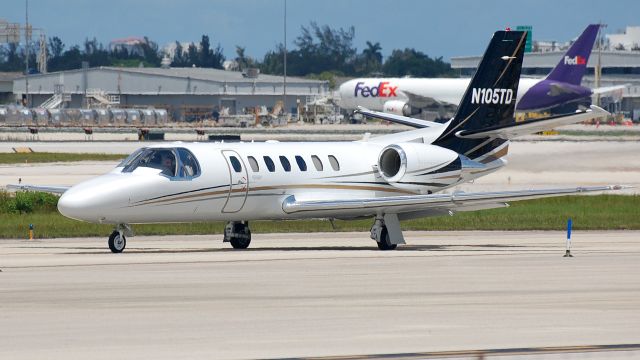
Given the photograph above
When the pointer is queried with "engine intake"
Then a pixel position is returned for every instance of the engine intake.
(413, 166)
(392, 163)
(399, 107)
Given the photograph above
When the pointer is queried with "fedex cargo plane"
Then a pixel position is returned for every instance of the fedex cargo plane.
(410, 96)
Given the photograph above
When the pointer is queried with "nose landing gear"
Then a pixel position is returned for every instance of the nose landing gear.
(238, 234)
(117, 240)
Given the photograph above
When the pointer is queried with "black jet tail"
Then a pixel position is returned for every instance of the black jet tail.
(490, 99)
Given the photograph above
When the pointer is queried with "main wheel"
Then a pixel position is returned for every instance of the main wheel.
(385, 241)
(117, 243)
(242, 237)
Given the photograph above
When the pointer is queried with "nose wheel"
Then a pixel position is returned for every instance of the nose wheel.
(238, 234)
(117, 241)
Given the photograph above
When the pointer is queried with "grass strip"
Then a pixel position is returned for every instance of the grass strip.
(47, 157)
(600, 212)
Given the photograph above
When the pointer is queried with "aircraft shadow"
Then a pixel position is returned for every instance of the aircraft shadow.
(402, 248)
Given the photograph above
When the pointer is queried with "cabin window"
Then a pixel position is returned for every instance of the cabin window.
(235, 163)
(317, 162)
(253, 163)
(334, 163)
(301, 164)
(286, 165)
(270, 165)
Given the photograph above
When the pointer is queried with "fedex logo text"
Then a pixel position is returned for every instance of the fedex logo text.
(382, 90)
(576, 60)
(491, 96)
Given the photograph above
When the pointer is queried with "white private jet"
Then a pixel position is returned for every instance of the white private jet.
(390, 178)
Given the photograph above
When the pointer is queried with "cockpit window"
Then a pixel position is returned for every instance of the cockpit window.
(131, 158)
(173, 163)
(188, 164)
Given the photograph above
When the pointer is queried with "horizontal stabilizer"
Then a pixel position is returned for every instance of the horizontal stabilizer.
(398, 119)
(610, 89)
(514, 130)
(42, 188)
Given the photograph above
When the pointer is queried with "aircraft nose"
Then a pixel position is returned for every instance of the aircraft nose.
(344, 92)
(73, 204)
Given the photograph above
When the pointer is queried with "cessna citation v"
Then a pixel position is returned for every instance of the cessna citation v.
(388, 178)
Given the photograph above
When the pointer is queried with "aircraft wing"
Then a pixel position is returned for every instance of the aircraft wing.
(399, 119)
(513, 130)
(44, 188)
(420, 101)
(435, 204)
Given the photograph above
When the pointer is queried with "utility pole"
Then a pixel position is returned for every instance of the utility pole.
(26, 41)
(284, 89)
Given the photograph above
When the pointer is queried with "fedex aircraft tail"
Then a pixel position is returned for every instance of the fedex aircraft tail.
(573, 64)
(490, 99)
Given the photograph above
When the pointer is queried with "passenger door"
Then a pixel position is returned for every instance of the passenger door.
(238, 182)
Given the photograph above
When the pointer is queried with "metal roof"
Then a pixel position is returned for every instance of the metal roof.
(209, 74)
(205, 74)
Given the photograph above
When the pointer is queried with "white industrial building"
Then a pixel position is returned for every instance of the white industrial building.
(183, 92)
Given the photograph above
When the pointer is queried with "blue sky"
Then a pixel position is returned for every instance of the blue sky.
(438, 28)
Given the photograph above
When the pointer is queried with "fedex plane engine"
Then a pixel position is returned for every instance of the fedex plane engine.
(419, 167)
(399, 107)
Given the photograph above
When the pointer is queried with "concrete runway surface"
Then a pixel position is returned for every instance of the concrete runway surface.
(323, 294)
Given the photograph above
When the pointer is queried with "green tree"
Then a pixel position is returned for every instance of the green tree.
(193, 57)
(56, 47)
(370, 61)
(150, 52)
(12, 58)
(410, 62)
(208, 57)
(243, 60)
(318, 49)
(179, 58)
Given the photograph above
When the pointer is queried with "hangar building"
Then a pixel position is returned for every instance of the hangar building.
(184, 92)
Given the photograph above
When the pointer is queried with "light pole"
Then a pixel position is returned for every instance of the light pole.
(284, 87)
(26, 41)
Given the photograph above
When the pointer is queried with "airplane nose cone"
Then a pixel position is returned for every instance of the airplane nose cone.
(73, 204)
(95, 199)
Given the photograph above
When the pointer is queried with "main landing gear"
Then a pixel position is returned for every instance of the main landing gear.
(386, 232)
(238, 234)
(117, 239)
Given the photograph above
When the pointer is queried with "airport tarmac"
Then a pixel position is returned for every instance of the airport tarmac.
(531, 164)
(323, 294)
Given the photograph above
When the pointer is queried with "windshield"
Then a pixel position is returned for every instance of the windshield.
(129, 159)
(174, 163)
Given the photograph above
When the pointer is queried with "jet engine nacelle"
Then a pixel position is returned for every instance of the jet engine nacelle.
(419, 167)
(399, 107)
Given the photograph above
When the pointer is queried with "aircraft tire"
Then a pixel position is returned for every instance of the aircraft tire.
(116, 245)
(385, 241)
(242, 241)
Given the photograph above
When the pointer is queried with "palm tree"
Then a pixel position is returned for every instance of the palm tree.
(372, 57)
